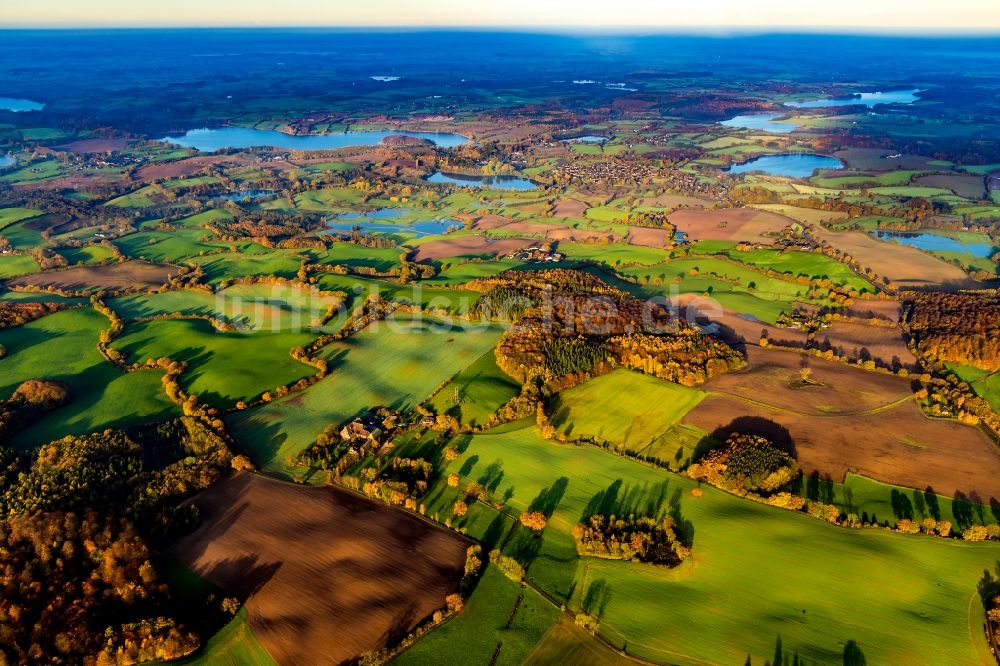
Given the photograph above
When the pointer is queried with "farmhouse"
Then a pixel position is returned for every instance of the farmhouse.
(369, 427)
(537, 254)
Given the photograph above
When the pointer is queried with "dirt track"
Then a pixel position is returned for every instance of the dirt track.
(328, 574)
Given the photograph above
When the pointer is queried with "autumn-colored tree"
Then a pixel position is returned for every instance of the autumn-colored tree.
(535, 520)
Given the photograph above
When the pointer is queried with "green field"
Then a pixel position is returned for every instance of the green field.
(471, 637)
(476, 392)
(12, 265)
(983, 382)
(614, 254)
(624, 408)
(353, 255)
(63, 347)
(226, 266)
(9, 216)
(171, 246)
(888, 504)
(808, 264)
(394, 364)
(453, 301)
(234, 645)
(88, 254)
(737, 286)
(222, 367)
(756, 572)
(178, 301)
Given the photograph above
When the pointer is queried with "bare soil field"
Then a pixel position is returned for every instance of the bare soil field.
(856, 340)
(731, 327)
(853, 340)
(774, 377)
(127, 275)
(730, 224)
(876, 309)
(581, 235)
(905, 266)
(190, 166)
(970, 187)
(487, 222)
(804, 215)
(72, 181)
(649, 237)
(327, 574)
(569, 208)
(469, 246)
(675, 201)
(898, 445)
(538, 228)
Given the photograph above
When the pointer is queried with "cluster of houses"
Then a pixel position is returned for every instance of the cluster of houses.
(537, 254)
(613, 170)
(369, 428)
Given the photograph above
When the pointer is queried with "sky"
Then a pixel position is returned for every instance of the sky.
(643, 15)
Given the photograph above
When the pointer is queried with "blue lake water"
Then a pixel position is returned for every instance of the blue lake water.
(493, 182)
(868, 99)
(13, 104)
(369, 224)
(7, 161)
(760, 121)
(789, 165)
(936, 243)
(589, 138)
(208, 140)
(379, 214)
(245, 194)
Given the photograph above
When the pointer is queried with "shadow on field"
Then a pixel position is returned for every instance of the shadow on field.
(548, 498)
(620, 500)
(596, 598)
(776, 433)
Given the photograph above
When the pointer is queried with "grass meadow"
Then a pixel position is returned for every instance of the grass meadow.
(902, 598)
(63, 346)
(393, 364)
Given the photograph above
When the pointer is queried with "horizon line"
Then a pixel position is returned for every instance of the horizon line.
(635, 30)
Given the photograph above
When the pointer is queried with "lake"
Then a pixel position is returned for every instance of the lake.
(17, 105)
(936, 243)
(589, 138)
(208, 140)
(367, 225)
(760, 121)
(7, 161)
(790, 165)
(378, 214)
(245, 194)
(868, 99)
(493, 182)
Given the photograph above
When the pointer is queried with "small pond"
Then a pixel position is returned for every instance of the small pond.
(760, 121)
(588, 138)
(368, 222)
(936, 243)
(243, 195)
(19, 105)
(868, 99)
(789, 165)
(492, 182)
